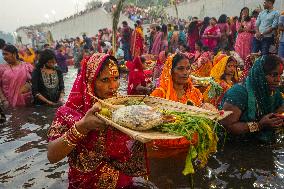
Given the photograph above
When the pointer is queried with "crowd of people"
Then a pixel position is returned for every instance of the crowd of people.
(243, 54)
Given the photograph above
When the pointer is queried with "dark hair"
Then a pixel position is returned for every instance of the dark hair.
(205, 48)
(176, 27)
(138, 22)
(247, 19)
(192, 26)
(106, 63)
(45, 56)
(199, 43)
(11, 49)
(45, 45)
(222, 19)
(177, 58)
(272, 1)
(143, 59)
(270, 63)
(2, 43)
(255, 13)
(164, 29)
(124, 23)
(158, 28)
(205, 24)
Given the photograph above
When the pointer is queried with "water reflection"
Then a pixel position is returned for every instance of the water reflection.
(23, 162)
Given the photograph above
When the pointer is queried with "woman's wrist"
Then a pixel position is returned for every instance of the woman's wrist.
(81, 127)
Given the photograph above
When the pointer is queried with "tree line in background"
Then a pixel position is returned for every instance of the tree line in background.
(8, 37)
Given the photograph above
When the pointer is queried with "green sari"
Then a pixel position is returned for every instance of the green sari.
(254, 99)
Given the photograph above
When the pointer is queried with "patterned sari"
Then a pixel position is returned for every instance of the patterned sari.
(167, 91)
(106, 158)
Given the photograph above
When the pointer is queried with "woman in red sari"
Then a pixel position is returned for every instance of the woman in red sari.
(99, 156)
(136, 78)
(137, 42)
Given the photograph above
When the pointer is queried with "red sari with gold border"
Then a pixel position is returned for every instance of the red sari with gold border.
(106, 158)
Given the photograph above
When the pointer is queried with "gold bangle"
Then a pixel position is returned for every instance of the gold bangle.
(67, 141)
(253, 127)
(77, 133)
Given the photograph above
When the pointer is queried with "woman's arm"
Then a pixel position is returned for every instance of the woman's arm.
(233, 125)
(62, 147)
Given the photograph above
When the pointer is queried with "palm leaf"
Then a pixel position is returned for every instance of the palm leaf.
(115, 20)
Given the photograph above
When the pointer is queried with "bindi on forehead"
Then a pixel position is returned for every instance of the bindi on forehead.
(113, 69)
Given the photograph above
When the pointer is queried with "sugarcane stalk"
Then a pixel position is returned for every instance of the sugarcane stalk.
(115, 20)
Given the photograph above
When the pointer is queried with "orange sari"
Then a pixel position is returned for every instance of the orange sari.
(167, 91)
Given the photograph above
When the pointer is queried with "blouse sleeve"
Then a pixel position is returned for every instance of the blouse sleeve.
(237, 96)
(65, 118)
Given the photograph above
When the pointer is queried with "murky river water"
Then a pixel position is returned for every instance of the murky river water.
(23, 161)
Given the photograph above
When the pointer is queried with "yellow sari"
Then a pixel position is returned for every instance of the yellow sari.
(217, 71)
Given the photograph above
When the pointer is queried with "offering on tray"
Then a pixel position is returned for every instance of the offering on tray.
(137, 117)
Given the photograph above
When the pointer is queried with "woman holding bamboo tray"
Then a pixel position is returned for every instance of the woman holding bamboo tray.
(257, 103)
(176, 85)
(99, 156)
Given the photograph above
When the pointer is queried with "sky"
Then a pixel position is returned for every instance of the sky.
(16, 13)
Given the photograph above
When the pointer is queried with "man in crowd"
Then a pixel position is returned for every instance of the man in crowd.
(125, 40)
(266, 26)
(87, 41)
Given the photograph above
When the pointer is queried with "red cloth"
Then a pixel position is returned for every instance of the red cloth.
(106, 158)
(137, 42)
(136, 76)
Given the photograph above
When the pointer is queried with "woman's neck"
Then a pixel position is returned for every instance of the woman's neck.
(229, 78)
(178, 87)
(15, 63)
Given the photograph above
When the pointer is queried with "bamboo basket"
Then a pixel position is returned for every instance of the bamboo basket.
(160, 103)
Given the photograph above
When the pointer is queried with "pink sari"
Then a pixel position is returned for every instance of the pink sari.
(211, 42)
(12, 79)
(156, 49)
(243, 44)
(106, 158)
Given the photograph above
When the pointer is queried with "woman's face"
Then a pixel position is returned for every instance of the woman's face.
(274, 77)
(197, 47)
(9, 57)
(50, 64)
(107, 83)
(212, 22)
(231, 68)
(245, 13)
(181, 72)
